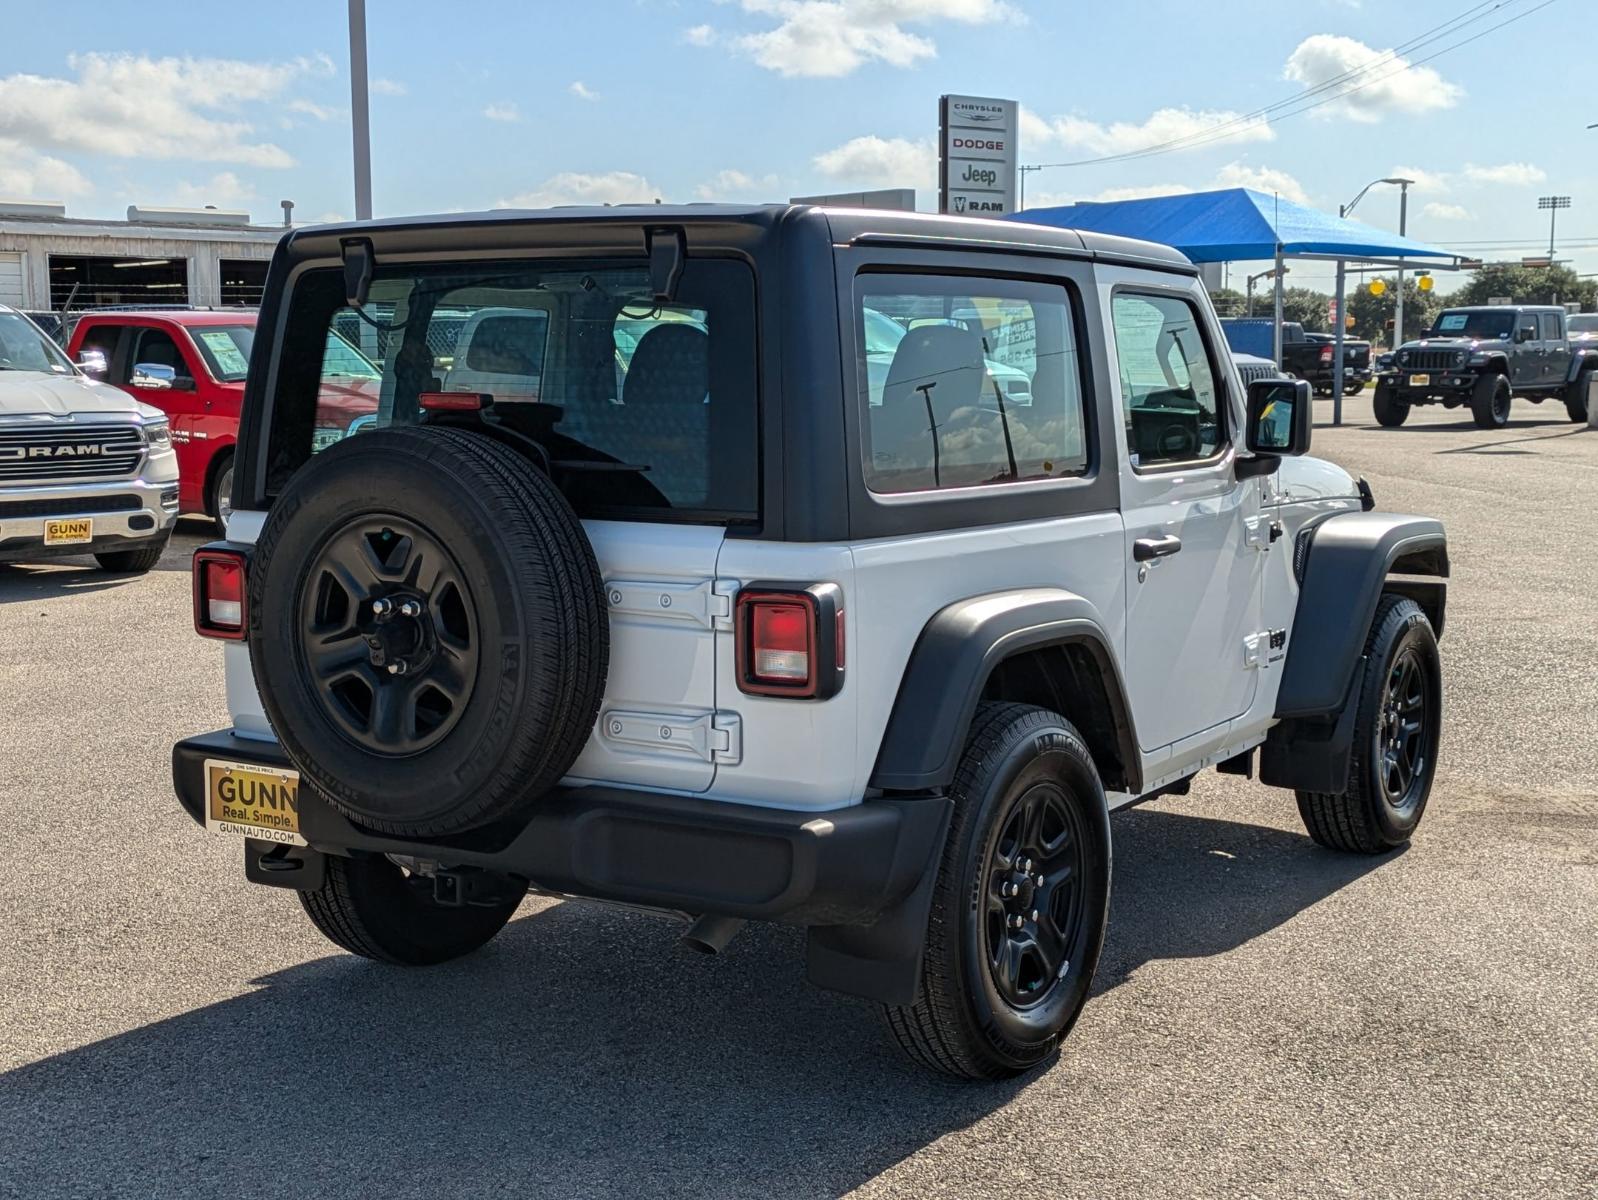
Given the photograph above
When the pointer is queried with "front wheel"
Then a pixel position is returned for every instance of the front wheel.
(1396, 732)
(371, 907)
(1391, 410)
(1021, 900)
(1576, 398)
(131, 562)
(1489, 402)
(1353, 387)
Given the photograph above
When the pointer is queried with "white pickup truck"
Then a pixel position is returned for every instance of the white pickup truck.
(84, 467)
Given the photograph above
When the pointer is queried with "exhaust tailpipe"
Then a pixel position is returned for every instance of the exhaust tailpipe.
(709, 934)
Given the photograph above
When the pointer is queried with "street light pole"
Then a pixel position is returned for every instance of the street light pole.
(1343, 211)
(1403, 223)
(360, 116)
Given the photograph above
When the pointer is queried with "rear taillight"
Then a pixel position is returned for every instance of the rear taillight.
(453, 401)
(1326, 354)
(219, 593)
(790, 641)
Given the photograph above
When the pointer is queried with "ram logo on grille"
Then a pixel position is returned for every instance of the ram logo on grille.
(70, 450)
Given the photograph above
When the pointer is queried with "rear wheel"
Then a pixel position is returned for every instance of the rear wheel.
(1489, 402)
(1396, 733)
(1576, 397)
(1391, 410)
(1353, 387)
(219, 499)
(1021, 900)
(370, 907)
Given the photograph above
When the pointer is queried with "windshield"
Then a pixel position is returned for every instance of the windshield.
(24, 348)
(1582, 323)
(1464, 323)
(226, 350)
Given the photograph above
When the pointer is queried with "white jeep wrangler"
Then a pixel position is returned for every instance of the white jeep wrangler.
(701, 616)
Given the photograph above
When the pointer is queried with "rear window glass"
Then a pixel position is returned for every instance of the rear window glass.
(967, 382)
(641, 408)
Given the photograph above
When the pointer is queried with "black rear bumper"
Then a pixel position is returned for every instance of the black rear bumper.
(846, 866)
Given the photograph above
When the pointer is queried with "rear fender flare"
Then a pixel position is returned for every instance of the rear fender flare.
(950, 665)
(1581, 362)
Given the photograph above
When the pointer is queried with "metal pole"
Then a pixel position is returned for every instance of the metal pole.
(1403, 221)
(360, 117)
(1278, 328)
(1337, 344)
(1553, 214)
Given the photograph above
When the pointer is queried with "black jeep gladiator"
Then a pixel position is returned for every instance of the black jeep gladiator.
(1482, 357)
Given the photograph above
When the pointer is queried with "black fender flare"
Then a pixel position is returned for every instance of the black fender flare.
(1581, 362)
(950, 664)
(1346, 565)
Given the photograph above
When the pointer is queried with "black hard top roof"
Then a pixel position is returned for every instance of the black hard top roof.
(847, 225)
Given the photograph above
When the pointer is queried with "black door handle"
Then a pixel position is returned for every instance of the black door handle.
(1146, 548)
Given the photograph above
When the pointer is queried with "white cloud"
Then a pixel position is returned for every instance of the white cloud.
(1516, 174)
(829, 38)
(26, 174)
(873, 161)
(1446, 212)
(1164, 125)
(1433, 182)
(736, 185)
(503, 110)
(572, 187)
(332, 218)
(582, 91)
(1369, 83)
(133, 106)
(321, 112)
(224, 190)
(386, 87)
(1262, 179)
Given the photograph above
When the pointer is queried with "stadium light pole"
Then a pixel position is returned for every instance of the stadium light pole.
(360, 116)
(1553, 204)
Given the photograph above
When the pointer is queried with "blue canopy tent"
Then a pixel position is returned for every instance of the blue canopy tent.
(1239, 224)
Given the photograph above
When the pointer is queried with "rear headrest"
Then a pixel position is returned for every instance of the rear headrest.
(671, 365)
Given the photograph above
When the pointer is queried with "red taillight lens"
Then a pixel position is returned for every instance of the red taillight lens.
(790, 642)
(219, 594)
(779, 642)
(1326, 354)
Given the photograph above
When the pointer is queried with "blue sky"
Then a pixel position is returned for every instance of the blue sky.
(492, 102)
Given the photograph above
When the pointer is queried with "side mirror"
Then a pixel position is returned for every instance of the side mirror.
(1279, 412)
(155, 376)
(92, 362)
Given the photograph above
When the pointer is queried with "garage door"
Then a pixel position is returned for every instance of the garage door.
(11, 278)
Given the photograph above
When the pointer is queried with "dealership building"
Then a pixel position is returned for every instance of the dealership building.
(169, 256)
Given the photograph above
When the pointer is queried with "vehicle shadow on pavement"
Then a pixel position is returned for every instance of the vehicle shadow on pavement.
(580, 1054)
(19, 583)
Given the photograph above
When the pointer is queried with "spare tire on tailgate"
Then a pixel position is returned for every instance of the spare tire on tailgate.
(427, 630)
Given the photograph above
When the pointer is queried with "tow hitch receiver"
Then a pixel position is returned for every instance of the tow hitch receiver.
(458, 887)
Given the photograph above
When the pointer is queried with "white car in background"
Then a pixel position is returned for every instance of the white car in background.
(84, 467)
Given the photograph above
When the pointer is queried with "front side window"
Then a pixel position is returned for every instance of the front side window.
(967, 382)
(1168, 390)
(638, 406)
(154, 347)
(1527, 326)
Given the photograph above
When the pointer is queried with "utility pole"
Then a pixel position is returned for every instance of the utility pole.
(1023, 169)
(360, 116)
(1553, 204)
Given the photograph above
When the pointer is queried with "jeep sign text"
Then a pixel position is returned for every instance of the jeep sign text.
(977, 156)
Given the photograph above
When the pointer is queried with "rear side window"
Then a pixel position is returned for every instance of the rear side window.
(967, 382)
(1551, 331)
(642, 409)
(1171, 403)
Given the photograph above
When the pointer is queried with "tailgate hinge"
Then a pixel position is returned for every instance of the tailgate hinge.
(707, 604)
(710, 737)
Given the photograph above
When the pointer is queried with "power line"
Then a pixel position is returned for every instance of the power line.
(1313, 98)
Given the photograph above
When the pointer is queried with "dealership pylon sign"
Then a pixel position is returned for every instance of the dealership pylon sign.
(976, 156)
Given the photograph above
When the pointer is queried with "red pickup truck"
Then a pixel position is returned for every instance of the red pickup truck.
(192, 365)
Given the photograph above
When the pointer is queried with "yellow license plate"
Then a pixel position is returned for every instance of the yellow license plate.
(1419, 380)
(75, 532)
(251, 801)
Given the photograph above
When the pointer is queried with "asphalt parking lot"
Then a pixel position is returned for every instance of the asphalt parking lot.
(1269, 1018)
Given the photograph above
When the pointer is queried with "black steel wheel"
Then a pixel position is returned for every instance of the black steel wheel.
(1020, 902)
(427, 630)
(388, 629)
(1397, 731)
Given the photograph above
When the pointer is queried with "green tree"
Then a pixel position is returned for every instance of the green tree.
(1371, 313)
(1307, 307)
(1527, 285)
(1229, 302)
